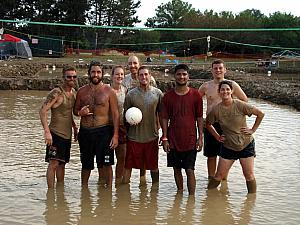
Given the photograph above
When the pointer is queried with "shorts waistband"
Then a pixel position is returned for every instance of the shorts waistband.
(93, 128)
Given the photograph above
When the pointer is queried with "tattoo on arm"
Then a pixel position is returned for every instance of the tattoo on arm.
(52, 95)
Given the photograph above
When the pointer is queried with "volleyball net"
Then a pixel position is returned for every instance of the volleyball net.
(188, 43)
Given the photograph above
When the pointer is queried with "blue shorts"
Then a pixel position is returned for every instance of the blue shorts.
(95, 142)
(248, 151)
(59, 150)
(211, 145)
(182, 160)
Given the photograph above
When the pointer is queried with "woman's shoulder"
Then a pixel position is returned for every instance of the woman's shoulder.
(239, 102)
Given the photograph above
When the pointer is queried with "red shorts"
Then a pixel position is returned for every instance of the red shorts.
(142, 155)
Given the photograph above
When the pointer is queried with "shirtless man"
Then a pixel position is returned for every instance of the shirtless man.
(95, 102)
(58, 133)
(210, 90)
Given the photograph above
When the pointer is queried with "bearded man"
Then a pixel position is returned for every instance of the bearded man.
(95, 103)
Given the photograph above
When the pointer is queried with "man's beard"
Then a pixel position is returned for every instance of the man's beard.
(73, 84)
(181, 84)
(95, 80)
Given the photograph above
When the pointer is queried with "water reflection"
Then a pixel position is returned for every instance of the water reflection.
(135, 207)
(86, 209)
(57, 209)
(104, 206)
(217, 205)
(118, 208)
(145, 206)
(122, 205)
(22, 178)
(182, 211)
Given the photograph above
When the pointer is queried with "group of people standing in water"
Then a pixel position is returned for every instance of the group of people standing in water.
(104, 132)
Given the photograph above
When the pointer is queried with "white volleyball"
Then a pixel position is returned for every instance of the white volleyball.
(133, 115)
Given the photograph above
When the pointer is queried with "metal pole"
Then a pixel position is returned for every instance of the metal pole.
(96, 41)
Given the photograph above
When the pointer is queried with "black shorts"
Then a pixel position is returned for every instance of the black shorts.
(211, 145)
(59, 150)
(248, 151)
(182, 160)
(95, 142)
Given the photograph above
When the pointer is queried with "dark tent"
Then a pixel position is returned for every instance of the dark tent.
(14, 46)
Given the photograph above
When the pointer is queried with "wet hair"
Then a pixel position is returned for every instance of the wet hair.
(182, 67)
(228, 82)
(94, 63)
(144, 68)
(68, 68)
(217, 61)
(116, 67)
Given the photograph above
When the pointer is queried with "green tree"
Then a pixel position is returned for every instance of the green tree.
(113, 13)
(17, 9)
(284, 38)
(73, 11)
(124, 14)
(171, 14)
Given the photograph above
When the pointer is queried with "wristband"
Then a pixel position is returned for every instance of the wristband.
(163, 139)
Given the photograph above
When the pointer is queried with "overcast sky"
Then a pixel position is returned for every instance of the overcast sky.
(148, 7)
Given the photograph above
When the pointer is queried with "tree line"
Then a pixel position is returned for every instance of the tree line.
(174, 14)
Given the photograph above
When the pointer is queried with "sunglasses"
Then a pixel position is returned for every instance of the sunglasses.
(69, 77)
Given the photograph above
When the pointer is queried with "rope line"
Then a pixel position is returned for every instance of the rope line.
(148, 28)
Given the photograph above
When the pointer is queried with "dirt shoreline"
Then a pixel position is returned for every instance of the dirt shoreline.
(22, 75)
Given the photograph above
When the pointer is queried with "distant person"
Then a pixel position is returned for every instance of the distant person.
(237, 140)
(131, 80)
(209, 89)
(181, 116)
(95, 103)
(142, 139)
(149, 59)
(58, 133)
(116, 84)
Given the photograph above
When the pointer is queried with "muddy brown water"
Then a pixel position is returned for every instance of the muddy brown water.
(25, 199)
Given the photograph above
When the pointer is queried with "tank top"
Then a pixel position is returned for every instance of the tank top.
(61, 117)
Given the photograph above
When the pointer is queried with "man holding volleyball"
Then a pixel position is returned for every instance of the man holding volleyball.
(142, 143)
(180, 117)
(130, 81)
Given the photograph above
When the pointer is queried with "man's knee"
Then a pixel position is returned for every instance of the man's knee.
(189, 172)
(249, 175)
(211, 158)
(53, 164)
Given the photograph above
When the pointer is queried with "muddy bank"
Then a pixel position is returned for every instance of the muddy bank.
(23, 76)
